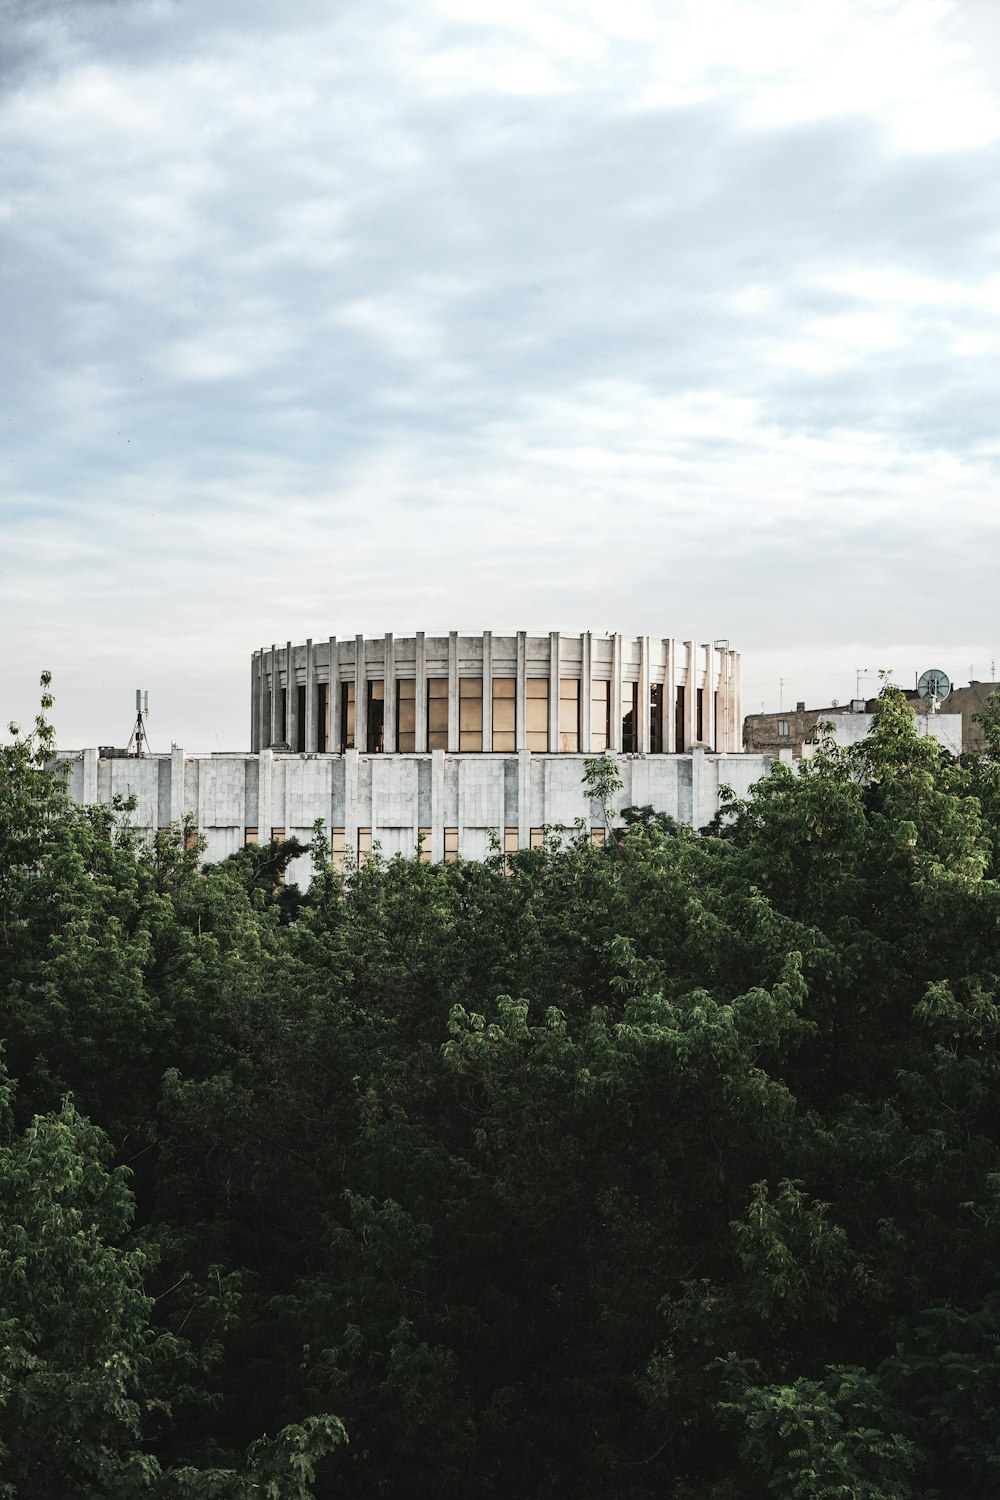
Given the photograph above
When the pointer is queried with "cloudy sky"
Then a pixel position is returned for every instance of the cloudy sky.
(665, 316)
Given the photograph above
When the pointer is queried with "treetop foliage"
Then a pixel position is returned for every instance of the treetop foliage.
(668, 1168)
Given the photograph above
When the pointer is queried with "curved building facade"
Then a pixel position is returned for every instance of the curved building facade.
(496, 694)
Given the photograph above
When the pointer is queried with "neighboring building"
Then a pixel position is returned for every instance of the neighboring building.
(459, 743)
(800, 731)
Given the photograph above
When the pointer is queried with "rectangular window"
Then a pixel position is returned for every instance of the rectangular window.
(283, 726)
(680, 737)
(656, 718)
(376, 717)
(300, 719)
(569, 715)
(504, 713)
(322, 716)
(425, 846)
(249, 836)
(277, 833)
(536, 726)
(700, 715)
(338, 848)
(347, 716)
(450, 845)
(630, 717)
(600, 717)
(364, 845)
(510, 844)
(406, 713)
(470, 713)
(537, 838)
(597, 837)
(782, 727)
(437, 713)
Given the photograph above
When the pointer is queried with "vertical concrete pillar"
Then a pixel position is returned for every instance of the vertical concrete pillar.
(254, 701)
(488, 695)
(437, 806)
(737, 701)
(523, 799)
(645, 679)
(272, 733)
(521, 691)
(616, 693)
(351, 779)
(333, 702)
(452, 690)
(670, 697)
(262, 735)
(265, 765)
(291, 699)
(554, 672)
(389, 692)
(176, 784)
(360, 696)
(311, 740)
(586, 681)
(710, 695)
(420, 741)
(691, 695)
(699, 816)
(89, 777)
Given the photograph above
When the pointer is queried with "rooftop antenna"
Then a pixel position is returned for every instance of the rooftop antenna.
(139, 742)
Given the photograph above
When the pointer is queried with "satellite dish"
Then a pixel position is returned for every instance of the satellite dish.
(934, 684)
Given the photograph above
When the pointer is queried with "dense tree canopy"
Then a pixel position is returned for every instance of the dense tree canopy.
(670, 1168)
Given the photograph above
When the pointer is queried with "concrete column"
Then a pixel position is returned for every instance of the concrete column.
(389, 690)
(360, 696)
(523, 799)
(89, 777)
(311, 740)
(488, 695)
(420, 740)
(334, 698)
(670, 697)
(291, 699)
(521, 691)
(645, 679)
(351, 800)
(710, 695)
(699, 817)
(272, 733)
(254, 701)
(452, 690)
(736, 711)
(554, 670)
(176, 784)
(262, 728)
(585, 691)
(437, 806)
(691, 695)
(616, 693)
(265, 765)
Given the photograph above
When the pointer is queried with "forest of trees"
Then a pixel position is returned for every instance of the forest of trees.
(665, 1169)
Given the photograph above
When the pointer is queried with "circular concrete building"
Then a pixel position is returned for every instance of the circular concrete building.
(549, 694)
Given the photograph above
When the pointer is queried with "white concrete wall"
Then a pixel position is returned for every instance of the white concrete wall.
(848, 729)
(479, 796)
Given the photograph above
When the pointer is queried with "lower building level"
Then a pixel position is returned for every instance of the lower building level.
(441, 804)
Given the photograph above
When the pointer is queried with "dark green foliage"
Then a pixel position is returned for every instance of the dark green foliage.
(666, 1169)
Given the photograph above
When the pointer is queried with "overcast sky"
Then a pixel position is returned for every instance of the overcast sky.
(678, 317)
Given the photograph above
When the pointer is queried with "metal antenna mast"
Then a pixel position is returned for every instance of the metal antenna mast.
(139, 742)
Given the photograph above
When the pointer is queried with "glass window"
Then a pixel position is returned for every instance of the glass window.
(300, 718)
(406, 713)
(782, 727)
(656, 718)
(364, 845)
(450, 845)
(322, 716)
(338, 848)
(470, 713)
(680, 737)
(347, 716)
(569, 715)
(250, 836)
(283, 726)
(700, 715)
(536, 727)
(376, 717)
(538, 838)
(600, 716)
(504, 713)
(425, 846)
(510, 845)
(630, 717)
(597, 837)
(437, 713)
